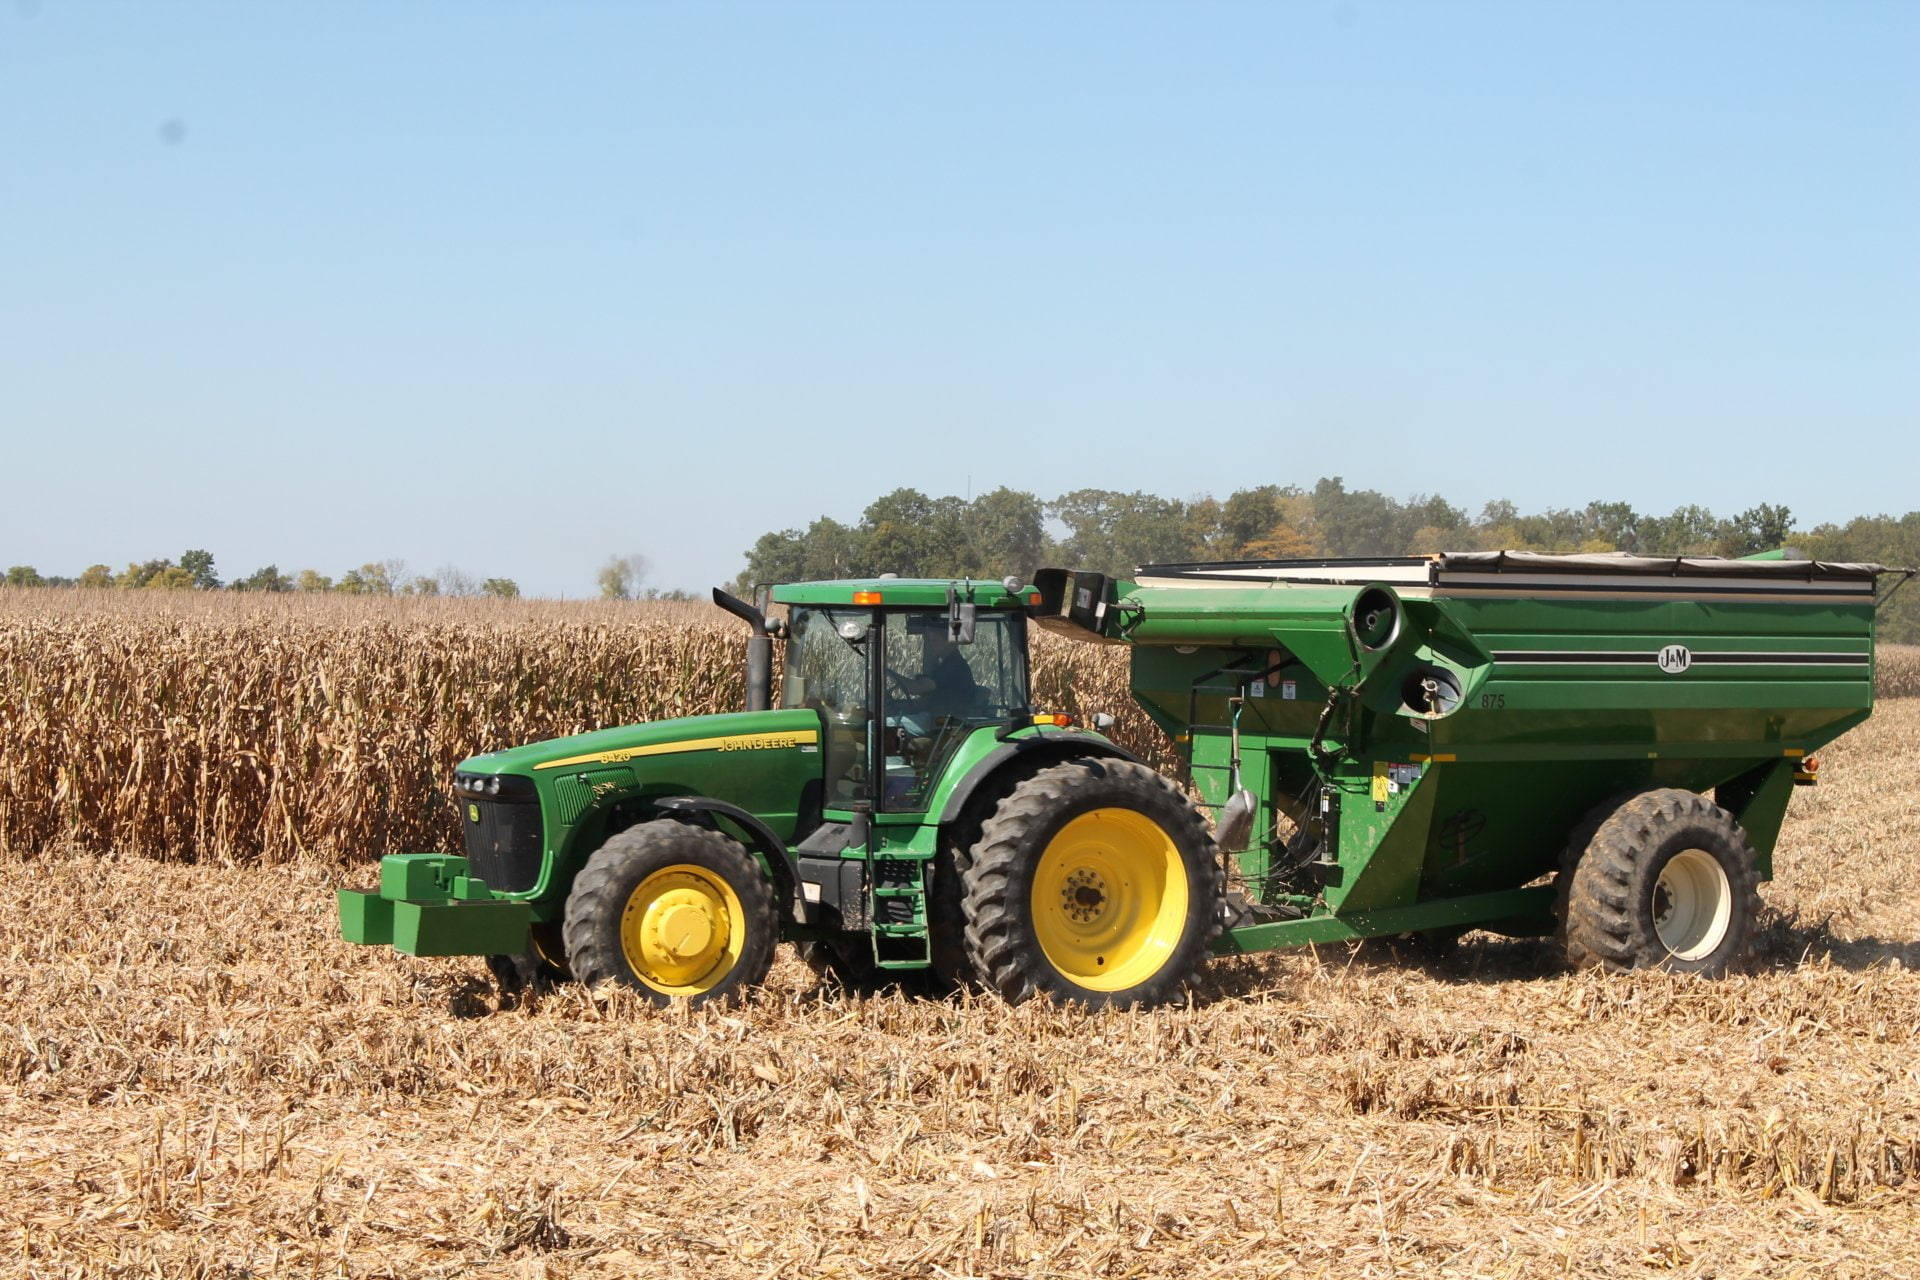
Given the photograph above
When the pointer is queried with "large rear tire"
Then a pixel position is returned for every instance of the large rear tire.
(673, 911)
(1666, 880)
(1094, 881)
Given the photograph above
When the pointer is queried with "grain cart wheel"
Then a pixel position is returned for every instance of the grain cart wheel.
(1094, 881)
(673, 911)
(1666, 880)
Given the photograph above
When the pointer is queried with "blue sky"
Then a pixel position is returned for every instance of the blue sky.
(515, 287)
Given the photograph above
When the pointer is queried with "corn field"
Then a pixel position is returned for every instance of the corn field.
(199, 1078)
(240, 730)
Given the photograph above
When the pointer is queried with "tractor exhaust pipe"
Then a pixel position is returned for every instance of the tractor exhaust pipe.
(759, 650)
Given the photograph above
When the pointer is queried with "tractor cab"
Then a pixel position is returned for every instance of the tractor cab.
(901, 673)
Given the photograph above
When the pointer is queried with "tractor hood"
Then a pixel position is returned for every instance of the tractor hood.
(725, 733)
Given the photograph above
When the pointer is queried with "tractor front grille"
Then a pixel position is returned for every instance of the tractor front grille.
(503, 841)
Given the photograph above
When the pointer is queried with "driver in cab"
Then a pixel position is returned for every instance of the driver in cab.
(945, 684)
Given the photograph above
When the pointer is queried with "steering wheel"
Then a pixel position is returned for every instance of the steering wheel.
(898, 682)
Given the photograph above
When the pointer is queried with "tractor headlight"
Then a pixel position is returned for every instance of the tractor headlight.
(505, 787)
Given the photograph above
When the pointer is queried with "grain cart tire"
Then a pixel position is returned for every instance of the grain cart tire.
(1094, 881)
(1666, 881)
(673, 911)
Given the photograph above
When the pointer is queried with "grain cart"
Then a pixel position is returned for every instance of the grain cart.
(1406, 746)
(1602, 745)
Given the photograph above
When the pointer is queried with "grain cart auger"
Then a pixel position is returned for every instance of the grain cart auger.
(900, 810)
(1599, 745)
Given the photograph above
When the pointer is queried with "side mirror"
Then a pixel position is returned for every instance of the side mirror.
(959, 619)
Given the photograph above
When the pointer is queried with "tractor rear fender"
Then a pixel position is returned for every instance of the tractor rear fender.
(780, 864)
(1034, 753)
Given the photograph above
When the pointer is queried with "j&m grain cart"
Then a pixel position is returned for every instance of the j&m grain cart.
(1598, 746)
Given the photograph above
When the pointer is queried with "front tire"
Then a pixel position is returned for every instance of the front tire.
(1094, 881)
(673, 911)
(1667, 881)
(543, 963)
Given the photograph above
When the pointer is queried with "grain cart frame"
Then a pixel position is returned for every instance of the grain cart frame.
(1395, 746)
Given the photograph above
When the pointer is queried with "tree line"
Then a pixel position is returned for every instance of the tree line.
(1011, 531)
(194, 571)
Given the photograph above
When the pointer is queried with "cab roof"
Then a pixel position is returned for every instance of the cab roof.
(903, 592)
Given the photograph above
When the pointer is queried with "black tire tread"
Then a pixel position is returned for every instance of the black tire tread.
(600, 892)
(998, 934)
(947, 900)
(1604, 921)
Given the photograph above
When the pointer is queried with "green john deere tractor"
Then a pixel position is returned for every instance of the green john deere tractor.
(897, 813)
(1600, 747)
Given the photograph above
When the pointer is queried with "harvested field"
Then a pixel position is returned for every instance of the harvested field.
(198, 1079)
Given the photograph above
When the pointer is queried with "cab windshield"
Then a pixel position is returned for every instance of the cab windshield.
(939, 691)
(935, 692)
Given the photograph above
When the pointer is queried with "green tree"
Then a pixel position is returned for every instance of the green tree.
(828, 549)
(620, 577)
(1761, 528)
(505, 588)
(1615, 523)
(1247, 516)
(375, 578)
(172, 578)
(1007, 533)
(1889, 540)
(140, 574)
(96, 575)
(1357, 522)
(1113, 532)
(199, 567)
(901, 532)
(1686, 530)
(312, 580)
(265, 578)
(25, 575)
(775, 557)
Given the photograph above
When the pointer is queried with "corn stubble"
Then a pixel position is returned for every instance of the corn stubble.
(208, 727)
(197, 1078)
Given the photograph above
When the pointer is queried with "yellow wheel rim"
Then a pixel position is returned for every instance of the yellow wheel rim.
(682, 930)
(1109, 899)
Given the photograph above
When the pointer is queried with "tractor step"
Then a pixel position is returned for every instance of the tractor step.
(897, 905)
